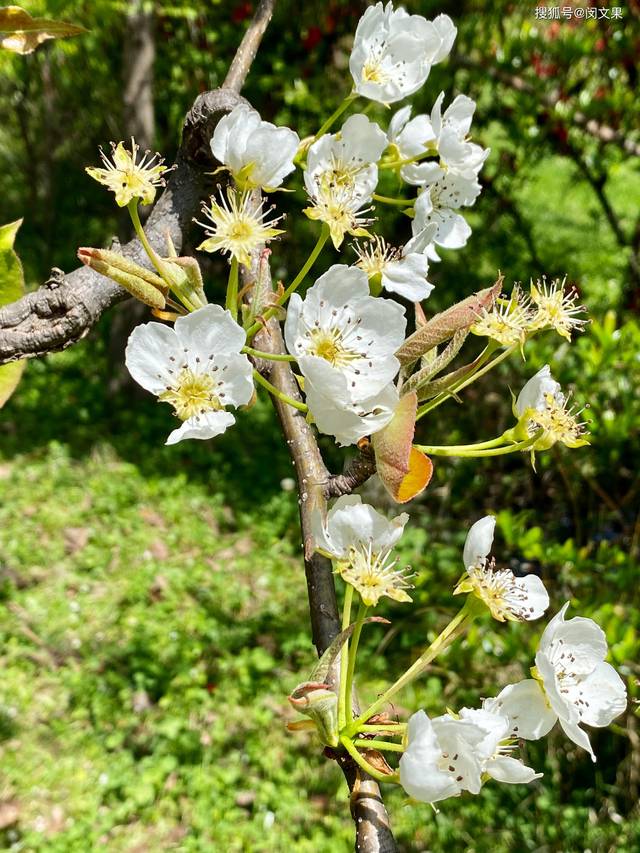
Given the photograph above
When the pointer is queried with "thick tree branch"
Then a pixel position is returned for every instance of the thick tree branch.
(373, 833)
(66, 308)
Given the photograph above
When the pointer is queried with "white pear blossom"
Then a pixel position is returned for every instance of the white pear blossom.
(341, 326)
(443, 135)
(129, 177)
(507, 596)
(395, 269)
(393, 51)
(507, 321)
(437, 204)
(237, 225)
(556, 307)
(360, 541)
(334, 412)
(196, 366)
(442, 757)
(342, 210)
(448, 755)
(573, 684)
(346, 160)
(541, 405)
(256, 152)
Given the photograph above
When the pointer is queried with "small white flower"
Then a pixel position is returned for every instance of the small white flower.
(334, 412)
(573, 684)
(506, 596)
(542, 405)
(346, 161)
(397, 271)
(237, 225)
(437, 204)
(342, 210)
(444, 135)
(127, 177)
(196, 366)
(393, 51)
(442, 758)
(341, 326)
(256, 152)
(507, 321)
(361, 540)
(556, 308)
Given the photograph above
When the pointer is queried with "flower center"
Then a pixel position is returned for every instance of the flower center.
(240, 230)
(556, 420)
(373, 72)
(327, 344)
(500, 591)
(192, 395)
(374, 574)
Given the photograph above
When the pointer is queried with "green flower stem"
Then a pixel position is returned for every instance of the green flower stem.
(399, 202)
(132, 207)
(378, 744)
(351, 663)
(231, 302)
(483, 367)
(363, 763)
(454, 629)
(271, 356)
(153, 256)
(476, 449)
(336, 115)
(322, 239)
(394, 164)
(343, 696)
(451, 449)
(273, 390)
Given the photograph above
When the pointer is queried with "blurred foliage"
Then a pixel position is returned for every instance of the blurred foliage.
(154, 609)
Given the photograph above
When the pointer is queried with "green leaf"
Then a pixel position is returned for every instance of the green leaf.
(11, 288)
(21, 33)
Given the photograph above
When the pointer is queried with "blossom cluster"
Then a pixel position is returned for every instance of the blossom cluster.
(365, 381)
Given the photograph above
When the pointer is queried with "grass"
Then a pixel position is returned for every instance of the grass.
(151, 633)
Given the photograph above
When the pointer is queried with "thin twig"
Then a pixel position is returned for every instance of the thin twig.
(246, 53)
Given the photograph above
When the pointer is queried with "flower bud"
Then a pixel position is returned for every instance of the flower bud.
(137, 280)
(317, 701)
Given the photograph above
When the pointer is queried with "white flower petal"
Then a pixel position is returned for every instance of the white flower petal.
(408, 277)
(447, 31)
(237, 379)
(525, 705)
(505, 769)
(348, 422)
(601, 696)
(148, 355)
(203, 427)
(259, 150)
(272, 149)
(210, 331)
(477, 546)
(578, 736)
(350, 522)
(419, 773)
(537, 597)
(533, 393)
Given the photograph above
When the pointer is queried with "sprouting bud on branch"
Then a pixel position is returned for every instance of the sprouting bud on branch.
(444, 325)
